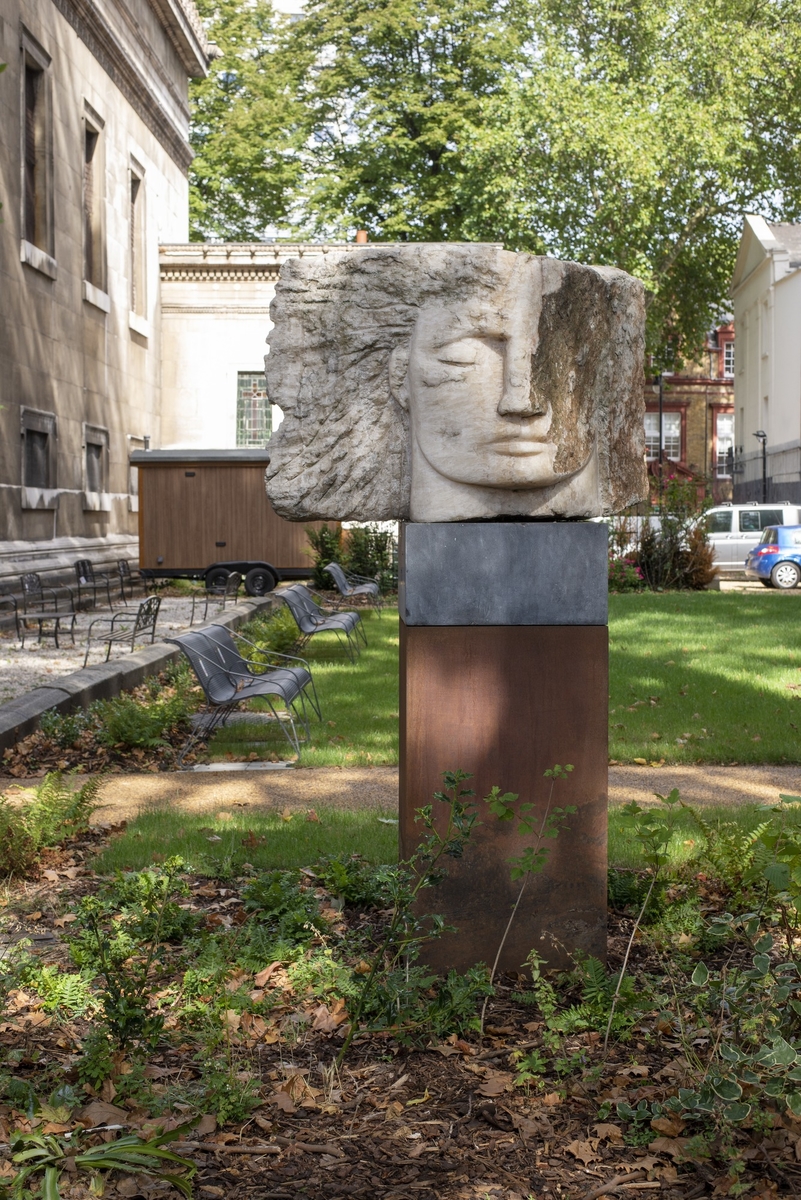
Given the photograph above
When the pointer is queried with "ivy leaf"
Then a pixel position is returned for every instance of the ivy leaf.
(700, 975)
(736, 1112)
(793, 1102)
(727, 1089)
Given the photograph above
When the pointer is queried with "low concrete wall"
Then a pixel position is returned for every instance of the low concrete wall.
(20, 717)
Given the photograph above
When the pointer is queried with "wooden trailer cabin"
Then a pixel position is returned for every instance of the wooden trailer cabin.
(203, 512)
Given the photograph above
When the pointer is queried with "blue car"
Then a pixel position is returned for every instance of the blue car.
(776, 560)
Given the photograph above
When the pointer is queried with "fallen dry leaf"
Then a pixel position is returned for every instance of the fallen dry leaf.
(585, 1151)
(612, 1133)
(670, 1126)
(67, 919)
(496, 1083)
(205, 1125)
(675, 1147)
(99, 1112)
(552, 1099)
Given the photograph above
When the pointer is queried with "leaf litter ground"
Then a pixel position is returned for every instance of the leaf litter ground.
(407, 1124)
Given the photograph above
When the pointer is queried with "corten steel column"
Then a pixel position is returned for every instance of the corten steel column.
(503, 673)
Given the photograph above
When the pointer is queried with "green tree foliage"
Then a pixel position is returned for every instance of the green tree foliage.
(636, 133)
(395, 91)
(639, 136)
(245, 166)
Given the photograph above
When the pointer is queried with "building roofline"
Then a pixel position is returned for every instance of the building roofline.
(184, 27)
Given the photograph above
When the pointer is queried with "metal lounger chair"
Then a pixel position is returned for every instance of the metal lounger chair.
(89, 581)
(130, 579)
(350, 586)
(41, 605)
(217, 594)
(311, 619)
(143, 623)
(228, 678)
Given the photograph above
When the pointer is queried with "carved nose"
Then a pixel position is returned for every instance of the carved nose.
(518, 399)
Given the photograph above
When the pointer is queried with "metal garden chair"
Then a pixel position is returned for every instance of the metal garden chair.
(228, 678)
(124, 628)
(310, 618)
(89, 581)
(217, 594)
(42, 606)
(351, 586)
(129, 580)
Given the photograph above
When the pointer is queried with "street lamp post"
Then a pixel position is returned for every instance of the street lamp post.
(762, 438)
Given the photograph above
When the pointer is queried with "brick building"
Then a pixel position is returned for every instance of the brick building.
(697, 415)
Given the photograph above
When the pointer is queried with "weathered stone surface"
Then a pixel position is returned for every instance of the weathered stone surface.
(454, 382)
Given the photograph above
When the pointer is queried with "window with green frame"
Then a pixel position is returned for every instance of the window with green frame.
(253, 418)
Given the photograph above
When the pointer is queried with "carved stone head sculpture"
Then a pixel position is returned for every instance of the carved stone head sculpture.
(454, 382)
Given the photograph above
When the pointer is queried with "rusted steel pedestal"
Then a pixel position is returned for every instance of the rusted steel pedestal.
(504, 672)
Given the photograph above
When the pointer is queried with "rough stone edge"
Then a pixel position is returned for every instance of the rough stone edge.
(103, 681)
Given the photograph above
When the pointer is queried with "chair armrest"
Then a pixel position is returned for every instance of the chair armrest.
(271, 653)
(102, 621)
(351, 575)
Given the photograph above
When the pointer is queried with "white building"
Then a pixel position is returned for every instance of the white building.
(766, 295)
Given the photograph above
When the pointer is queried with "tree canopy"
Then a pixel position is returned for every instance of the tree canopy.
(628, 132)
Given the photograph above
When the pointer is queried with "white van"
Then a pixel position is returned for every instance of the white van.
(735, 528)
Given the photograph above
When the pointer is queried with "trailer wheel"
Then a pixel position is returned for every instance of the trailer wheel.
(259, 581)
(216, 577)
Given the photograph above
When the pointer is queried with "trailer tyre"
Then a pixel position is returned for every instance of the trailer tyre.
(216, 577)
(259, 581)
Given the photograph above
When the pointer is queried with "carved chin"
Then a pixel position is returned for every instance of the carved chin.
(506, 472)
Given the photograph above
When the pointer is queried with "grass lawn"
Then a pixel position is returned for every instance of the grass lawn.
(359, 705)
(705, 677)
(220, 843)
(695, 677)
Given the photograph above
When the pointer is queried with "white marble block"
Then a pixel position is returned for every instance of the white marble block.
(455, 382)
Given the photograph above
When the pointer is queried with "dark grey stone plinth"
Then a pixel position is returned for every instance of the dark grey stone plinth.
(503, 573)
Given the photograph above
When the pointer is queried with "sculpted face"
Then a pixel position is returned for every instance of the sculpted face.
(480, 412)
(454, 382)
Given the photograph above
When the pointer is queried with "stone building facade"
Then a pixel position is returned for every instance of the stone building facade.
(94, 155)
(215, 317)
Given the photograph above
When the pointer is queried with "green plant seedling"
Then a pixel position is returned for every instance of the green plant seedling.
(46, 1157)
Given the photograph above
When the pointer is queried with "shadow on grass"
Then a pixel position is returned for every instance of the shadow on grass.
(705, 676)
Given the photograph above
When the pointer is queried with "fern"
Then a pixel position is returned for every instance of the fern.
(70, 994)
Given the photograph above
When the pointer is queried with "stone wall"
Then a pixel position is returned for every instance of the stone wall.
(77, 352)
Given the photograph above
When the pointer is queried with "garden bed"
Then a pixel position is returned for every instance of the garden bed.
(252, 988)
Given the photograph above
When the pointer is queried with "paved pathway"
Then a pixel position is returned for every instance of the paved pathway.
(377, 787)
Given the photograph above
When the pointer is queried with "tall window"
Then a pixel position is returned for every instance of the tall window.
(728, 359)
(671, 435)
(94, 190)
(38, 431)
(95, 440)
(37, 200)
(253, 417)
(724, 444)
(136, 248)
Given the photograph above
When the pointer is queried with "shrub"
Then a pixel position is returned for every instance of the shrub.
(125, 721)
(278, 632)
(370, 551)
(624, 576)
(326, 544)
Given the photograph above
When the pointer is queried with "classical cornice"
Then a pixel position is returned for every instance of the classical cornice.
(218, 262)
(94, 31)
(184, 28)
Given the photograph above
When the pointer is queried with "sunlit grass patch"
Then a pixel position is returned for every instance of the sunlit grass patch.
(687, 843)
(705, 677)
(221, 843)
(359, 704)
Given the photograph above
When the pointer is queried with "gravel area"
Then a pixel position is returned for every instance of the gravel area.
(124, 796)
(40, 664)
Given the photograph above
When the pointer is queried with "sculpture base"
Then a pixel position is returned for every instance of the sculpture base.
(507, 702)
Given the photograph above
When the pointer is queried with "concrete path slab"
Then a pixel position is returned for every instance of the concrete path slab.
(377, 787)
